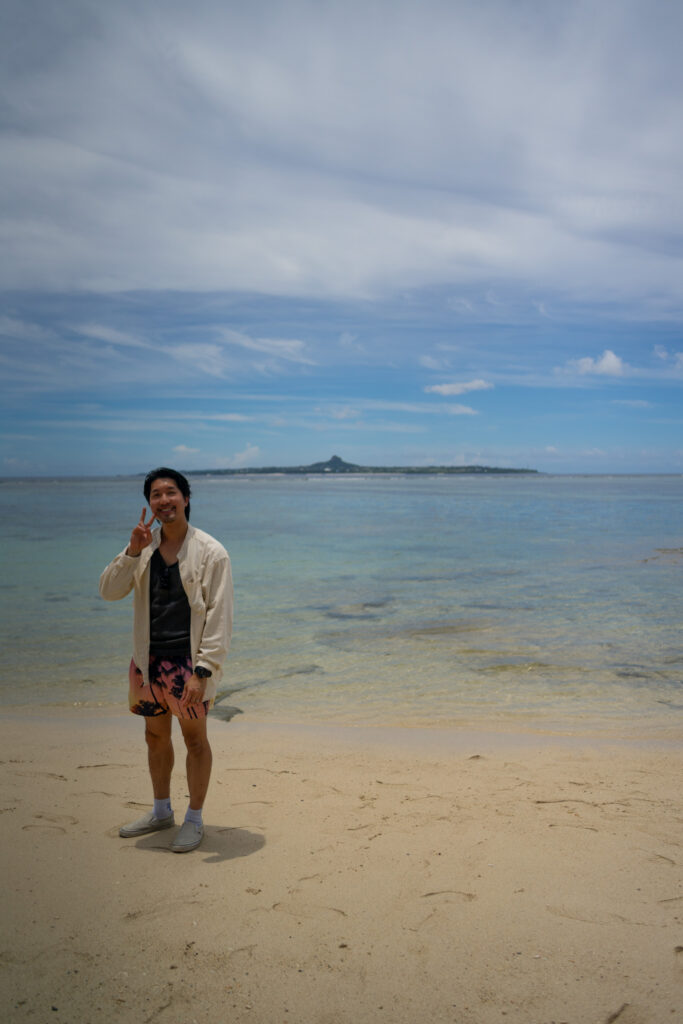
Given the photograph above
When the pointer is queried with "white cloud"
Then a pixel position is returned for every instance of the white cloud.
(239, 460)
(633, 403)
(461, 410)
(458, 388)
(183, 449)
(243, 458)
(608, 365)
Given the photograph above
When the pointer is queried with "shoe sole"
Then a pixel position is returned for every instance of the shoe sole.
(128, 834)
(186, 848)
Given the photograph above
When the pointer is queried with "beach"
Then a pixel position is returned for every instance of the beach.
(346, 875)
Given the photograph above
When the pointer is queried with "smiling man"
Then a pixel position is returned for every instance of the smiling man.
(182, 612)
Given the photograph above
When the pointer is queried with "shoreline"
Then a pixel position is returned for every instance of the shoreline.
(348, 875)
(494, 732)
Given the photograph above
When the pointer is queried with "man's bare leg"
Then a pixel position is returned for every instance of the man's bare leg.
(160, 754)
(199, 759)
(160, 760)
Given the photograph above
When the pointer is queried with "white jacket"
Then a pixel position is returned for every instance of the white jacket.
(206, 576)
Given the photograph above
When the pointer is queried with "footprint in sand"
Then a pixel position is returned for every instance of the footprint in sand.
(466, 896)
(678, 953)
(44, 828)
(52, 822)
(578, 911)
(109, 764)
(307, 911)
(43, 775)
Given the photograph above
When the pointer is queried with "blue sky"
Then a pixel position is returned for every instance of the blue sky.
(404, 233)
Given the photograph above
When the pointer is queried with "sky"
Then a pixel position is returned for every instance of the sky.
(404, 233)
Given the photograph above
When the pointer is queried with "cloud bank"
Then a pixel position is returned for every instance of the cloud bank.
(343, 150)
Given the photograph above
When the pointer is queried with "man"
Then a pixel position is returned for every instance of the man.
(182, 611)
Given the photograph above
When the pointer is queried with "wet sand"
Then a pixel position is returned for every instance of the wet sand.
(347, 875)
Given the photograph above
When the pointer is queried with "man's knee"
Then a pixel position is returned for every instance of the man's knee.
(197, 742)
(156, 735)
(197, 746)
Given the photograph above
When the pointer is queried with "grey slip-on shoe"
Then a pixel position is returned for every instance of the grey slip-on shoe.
(147, 823)
(189, 837)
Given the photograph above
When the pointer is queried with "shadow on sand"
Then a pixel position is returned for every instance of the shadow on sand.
(219, 843)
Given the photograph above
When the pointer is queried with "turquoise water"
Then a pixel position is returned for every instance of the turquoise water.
(425, 601)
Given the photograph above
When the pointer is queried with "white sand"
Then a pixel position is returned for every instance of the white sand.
(347, 875)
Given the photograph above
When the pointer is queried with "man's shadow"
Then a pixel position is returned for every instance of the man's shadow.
(220, 843)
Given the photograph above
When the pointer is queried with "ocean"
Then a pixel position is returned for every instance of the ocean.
(530, 601)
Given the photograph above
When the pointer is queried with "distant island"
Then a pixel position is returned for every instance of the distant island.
(337, 465)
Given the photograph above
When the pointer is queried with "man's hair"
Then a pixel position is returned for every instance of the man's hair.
(163, 472)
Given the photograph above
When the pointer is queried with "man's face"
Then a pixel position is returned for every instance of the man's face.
(166, 501)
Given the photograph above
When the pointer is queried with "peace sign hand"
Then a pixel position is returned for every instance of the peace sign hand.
(141, 536)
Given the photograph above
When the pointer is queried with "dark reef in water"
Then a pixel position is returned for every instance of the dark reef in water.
(337, 465)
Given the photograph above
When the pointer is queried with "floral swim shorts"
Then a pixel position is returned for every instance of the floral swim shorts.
(167, 678)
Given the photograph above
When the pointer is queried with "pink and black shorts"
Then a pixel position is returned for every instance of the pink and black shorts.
(167, 678)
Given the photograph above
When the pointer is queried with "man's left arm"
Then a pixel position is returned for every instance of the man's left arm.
(217, 632)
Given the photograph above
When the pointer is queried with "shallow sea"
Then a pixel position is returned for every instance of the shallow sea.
(542, 601)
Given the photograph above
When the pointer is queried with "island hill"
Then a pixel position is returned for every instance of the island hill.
(337, 465)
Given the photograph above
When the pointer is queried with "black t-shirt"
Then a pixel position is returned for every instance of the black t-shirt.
(169, 609)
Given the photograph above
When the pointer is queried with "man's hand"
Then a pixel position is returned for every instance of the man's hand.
(141, 537)
(193, 692)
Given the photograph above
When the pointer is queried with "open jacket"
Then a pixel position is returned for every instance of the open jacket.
(206, 576)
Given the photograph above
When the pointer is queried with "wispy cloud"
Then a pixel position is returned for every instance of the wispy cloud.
(456, 388)
(430, 362)
(350, 342)
(462, 410)
(100, 332)
(203, 357)
(340, 412)
(673, 359)
(288, 349)
(380, 405)
(22, 330)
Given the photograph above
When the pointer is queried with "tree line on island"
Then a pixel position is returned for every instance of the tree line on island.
(337, 465)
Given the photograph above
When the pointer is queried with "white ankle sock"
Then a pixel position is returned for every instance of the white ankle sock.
(194, 816)
(162, 808)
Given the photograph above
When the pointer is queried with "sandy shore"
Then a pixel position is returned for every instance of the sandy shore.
(347, 875)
